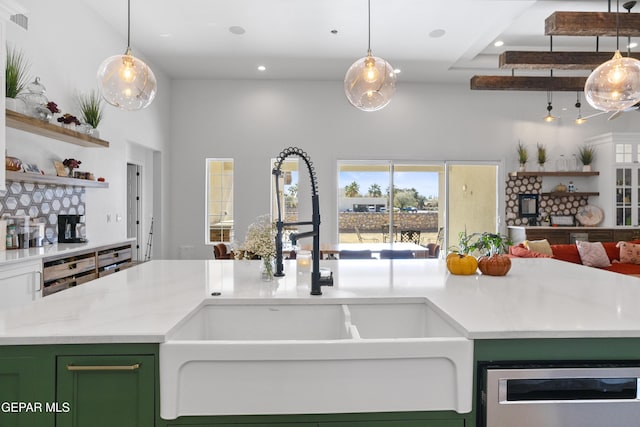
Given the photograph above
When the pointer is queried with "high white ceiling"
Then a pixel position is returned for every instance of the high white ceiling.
(293, 39)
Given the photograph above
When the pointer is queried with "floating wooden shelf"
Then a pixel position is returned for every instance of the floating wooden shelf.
(55, 180)
(535, 173)
(49, 130)
(575, 193)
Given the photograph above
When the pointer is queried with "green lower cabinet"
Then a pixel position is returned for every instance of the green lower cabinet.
(415, 423)
(106, 391)
(26, 388)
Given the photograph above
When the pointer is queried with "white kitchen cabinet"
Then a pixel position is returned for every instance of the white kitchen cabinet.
(618, 157)
(20, 283)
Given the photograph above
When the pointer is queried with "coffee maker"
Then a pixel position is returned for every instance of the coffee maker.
(71, 229)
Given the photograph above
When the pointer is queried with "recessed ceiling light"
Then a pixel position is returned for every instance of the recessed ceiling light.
(437, 33)
(397, 70)
(165, 35)
(261, 68)
(498, 43)
(236, 29)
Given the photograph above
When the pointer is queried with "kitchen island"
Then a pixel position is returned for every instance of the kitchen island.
(542, 310)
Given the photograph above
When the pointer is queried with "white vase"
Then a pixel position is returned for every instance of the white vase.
(522, 167)
(586, 168)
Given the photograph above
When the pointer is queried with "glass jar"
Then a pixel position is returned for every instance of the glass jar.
(561, 164)
(36, 101)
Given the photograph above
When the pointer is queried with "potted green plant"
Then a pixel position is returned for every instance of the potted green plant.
(459, 260)
(91, 110)
(585, 155)
(523, 156)
(542, 156)
(16, 75)
(493, 248)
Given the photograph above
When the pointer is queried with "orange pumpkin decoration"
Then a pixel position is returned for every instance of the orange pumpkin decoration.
(461, 264)
(495, 265)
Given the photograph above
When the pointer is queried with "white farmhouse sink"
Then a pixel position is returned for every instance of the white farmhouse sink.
(303, 356)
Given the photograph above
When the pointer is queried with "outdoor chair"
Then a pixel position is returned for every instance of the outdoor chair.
(396, 254)
(410, 236)
(433, 250)
(365, 239)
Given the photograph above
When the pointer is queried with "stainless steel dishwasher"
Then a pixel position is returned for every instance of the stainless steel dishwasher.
(594, 395)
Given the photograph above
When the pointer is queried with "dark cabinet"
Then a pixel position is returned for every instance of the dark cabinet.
(106, 391)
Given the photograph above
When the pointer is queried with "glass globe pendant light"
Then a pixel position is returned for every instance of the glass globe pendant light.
(125, 81)
(370, 82)
(615, 84)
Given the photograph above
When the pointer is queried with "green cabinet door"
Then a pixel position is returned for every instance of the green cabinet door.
(26, 388)
(106, 391)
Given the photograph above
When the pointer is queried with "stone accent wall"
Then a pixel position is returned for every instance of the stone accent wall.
(43, 200)
(374, 221)
(548, 205)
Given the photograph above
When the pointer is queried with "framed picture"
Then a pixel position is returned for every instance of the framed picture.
(61, 170)
(31, 168)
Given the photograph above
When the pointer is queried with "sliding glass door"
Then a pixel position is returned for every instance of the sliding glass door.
(389, 201)
(417, 202)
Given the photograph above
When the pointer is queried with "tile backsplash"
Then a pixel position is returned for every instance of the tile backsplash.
(43, 201)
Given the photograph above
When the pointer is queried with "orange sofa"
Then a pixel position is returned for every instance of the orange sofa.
(569, 253)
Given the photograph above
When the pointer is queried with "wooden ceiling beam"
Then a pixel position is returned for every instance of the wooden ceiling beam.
(528, 83)
(592, 24)
(523, 60)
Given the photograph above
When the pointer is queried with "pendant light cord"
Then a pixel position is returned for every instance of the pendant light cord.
(128, 24)
(617, 24)
(369, 17)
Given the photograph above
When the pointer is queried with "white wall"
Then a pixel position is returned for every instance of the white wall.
(252, 121)
(65, 49)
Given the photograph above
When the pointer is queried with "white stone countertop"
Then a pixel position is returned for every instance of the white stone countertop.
(539, 298)
(10, 256)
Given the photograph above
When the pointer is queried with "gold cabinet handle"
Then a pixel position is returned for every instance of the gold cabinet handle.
(104, 367)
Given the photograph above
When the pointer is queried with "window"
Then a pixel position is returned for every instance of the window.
(392, 201)
(387, 201)
(219, 187)
(288, 186)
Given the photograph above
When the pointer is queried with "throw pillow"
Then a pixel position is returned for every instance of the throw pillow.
(593, 254)
(541, 246)
(521, 252)
(629, 253)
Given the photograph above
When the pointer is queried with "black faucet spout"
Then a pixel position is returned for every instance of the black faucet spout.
(316, 280)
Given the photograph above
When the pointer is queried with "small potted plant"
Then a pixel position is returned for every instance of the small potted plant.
(493, 247)
(459, 260)
(16, 75)
(585, 155)
(91, 110)
(542, 156)
(523, 156)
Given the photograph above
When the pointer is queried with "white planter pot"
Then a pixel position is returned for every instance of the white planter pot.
(586, 168)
